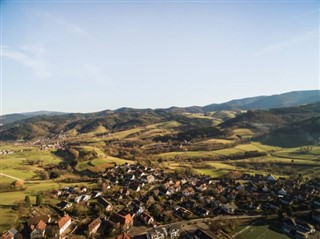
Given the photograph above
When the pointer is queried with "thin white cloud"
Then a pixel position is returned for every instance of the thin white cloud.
(29, 56)
(72, 27)
(279, 46)
(63, 22)
(311, 12)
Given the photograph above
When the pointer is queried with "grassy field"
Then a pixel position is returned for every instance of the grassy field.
(212, 172)
(13, 164)
(243, 132)
(249, 147)
(7, 218)
(295, 153)
(105, 161)
(4, 179)
(261, 232)
(218, 141)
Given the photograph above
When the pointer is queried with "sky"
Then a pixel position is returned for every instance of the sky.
(88, 56)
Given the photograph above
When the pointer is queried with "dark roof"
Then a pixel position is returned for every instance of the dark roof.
(202, 234)
(117, 218)
(36, 219)
(104, 202)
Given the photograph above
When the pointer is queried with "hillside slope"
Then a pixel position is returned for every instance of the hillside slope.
(289, 99)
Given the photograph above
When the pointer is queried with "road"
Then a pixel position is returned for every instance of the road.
(140, 231)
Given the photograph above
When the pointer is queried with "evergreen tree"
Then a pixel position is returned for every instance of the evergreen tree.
(27, 201)
(39, 200)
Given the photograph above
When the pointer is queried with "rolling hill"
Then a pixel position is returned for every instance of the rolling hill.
(10, 118)
(267, 102)
(35, 125)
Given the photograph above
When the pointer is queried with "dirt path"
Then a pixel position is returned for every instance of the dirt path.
(27, 181)
(6, 175)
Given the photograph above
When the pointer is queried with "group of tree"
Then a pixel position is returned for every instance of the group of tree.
(33, 162)
(39, 200)
(12, 187)
(195, 133)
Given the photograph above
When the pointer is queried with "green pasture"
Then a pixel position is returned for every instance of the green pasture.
(13, 164)
(261, 232)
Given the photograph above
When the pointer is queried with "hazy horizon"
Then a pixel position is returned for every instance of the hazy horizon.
(92, 56)
(153, 108)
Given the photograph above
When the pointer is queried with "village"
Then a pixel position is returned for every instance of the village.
(136, 201)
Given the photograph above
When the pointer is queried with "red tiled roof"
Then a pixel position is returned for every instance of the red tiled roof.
(63, 221)
(123, 236)
(7, 235)
(41, 226)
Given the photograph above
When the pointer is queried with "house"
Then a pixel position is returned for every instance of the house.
(202, 187)
(105, 204)
(201, 211)
(63, 205)
(183, 212)
(189, 191)
(156, 192)
(165, 191)
(271, 178)
(33, 221)
(265, 189)
(94, 226)
(183, 181)
(39, 230)
(10, 234)
(201, 234)
(316, 216)
(121, 219)
(288, 225)
(216, 203)
(173, 232)
(282, 192)
(56, 193)
(305, 227)
(96, 194)
(64, 223)
(229, 208)
(189, 204)
(146, 218)
(156, 234)
(286, 200)
(148, 200)
(135, 186)
(82, 198)
(123, 236)
(147, 178)
(316, 202)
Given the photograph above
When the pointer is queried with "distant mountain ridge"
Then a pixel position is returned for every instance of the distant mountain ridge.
(290, 99)
(10, 118)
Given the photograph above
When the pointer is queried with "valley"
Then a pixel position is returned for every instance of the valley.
(46, 153)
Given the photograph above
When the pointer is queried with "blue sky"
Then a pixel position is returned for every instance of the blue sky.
(88, 56)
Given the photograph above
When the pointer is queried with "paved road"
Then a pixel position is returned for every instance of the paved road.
(138, 231)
